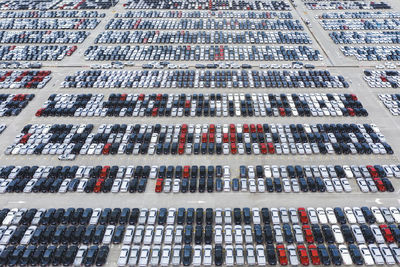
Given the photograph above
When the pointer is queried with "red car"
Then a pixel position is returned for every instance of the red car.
(182, 138)
(39, 112)
(245, 128)
(159, 185)
(387, 234)
(380, 185)
(263, 148)
(351, 112)
(225, 138)
(211, 138)
(271, 148)
(233, 148)
(252, 128)
(302, 252)
(372, 171)
(232, 128)
(303, 215)
(184, 128)
(204, 138)
(181, 148)
(106, 149)
(313, 252)
(308, 234)
(233, 138)
(186, 171)
(25, 138)
(281, 252)
(260, 128)
(99, 184)
(282, 112)
(104, 172)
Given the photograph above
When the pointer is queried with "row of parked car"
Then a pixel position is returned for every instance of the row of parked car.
(320, 178)
(49, 24)
(95, 179)
(273, 5)
(13, 104)
(382, 78)
(52, 14)
(254, 185)
(203, 78)
(42, 227)
(361, 24)
(79, 185)
(391, 102)
(369, 53)
(193, 178)
(56, 4)
(201, 216)
(325, 5)
(204, 139)
(203, 37)
(43, 37)
(35, 52)
(201, 53)
(89, 105)
(200, 14)
(391, 37)
(329, 171)
(14, 79)
(250, 255)
(268, 179)
(360, 15)
(204, 24)
(46, 255)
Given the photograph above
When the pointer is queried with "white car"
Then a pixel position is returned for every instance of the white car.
(108, 234)
(165, 255)
(344, 252)
(123, 255)
(366, 254)
(80, 255)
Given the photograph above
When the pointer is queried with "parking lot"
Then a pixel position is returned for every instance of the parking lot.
(210, 64)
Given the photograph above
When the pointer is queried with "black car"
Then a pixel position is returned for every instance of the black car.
(187, 255)
(218, 255)
(323, 254)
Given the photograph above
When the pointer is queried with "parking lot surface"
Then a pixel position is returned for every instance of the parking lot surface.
(220, 106)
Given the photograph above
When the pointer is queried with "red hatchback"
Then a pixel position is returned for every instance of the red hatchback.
(387, 234)
(372, 171)
(233, 148)
(281, 252)
(104, 172)
(302, 252)
(303, 215)
(99, 184)
(263, 148)
(313, 252)
(106, 149)
(271, 148)
(159, 185)
(380, 185)
(308, 234)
